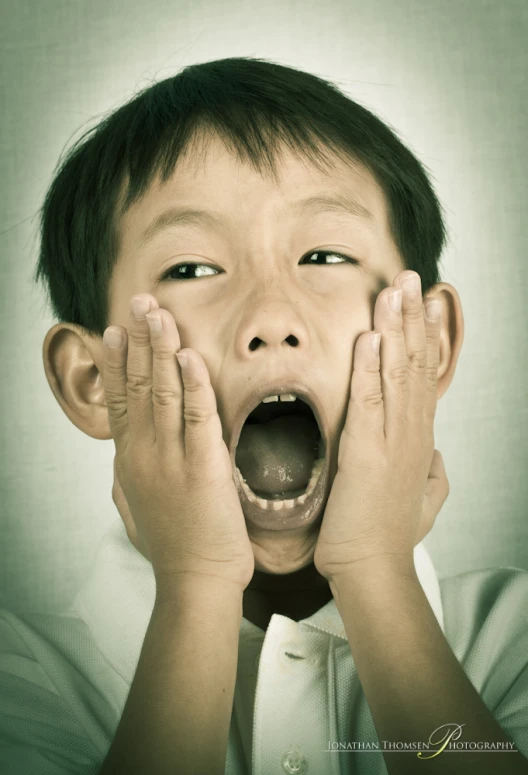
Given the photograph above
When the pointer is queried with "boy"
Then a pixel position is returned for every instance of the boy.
(238, 233)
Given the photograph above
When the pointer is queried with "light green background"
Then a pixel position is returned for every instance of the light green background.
(450, 76)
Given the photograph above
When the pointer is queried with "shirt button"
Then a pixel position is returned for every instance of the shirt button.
(294, 762)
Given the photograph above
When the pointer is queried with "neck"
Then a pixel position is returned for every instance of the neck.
(296, 595)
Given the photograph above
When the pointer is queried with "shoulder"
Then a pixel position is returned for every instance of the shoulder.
(53, 717)
(486, 625)
(483, 603)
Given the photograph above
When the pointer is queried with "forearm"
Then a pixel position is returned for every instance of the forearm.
(177, 715)
(411, 679)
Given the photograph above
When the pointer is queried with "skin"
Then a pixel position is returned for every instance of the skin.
(263, 292)
(390, 482)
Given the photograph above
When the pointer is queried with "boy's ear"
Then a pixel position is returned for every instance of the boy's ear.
(73, 362)
(451, 334)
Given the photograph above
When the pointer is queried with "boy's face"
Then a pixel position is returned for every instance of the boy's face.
(264, 315)
(273, 307)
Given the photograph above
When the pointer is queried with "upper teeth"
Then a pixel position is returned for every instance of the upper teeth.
(282, 396)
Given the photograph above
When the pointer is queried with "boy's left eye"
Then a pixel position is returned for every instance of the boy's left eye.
(335, 258)
(193, 271)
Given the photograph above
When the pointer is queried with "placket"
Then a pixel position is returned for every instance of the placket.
(295, 710)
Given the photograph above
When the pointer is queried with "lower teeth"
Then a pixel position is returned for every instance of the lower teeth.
(274, 505)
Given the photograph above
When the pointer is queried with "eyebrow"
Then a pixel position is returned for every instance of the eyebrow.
(338, 203)
(313, 205)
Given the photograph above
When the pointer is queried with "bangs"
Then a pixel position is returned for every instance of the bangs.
(259, 110)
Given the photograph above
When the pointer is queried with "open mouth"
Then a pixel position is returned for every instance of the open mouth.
(280, 459)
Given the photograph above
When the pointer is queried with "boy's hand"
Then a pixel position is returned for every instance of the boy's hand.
(174, 482)
(390, 482)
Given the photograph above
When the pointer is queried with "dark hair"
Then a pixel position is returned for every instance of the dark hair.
(257, 108)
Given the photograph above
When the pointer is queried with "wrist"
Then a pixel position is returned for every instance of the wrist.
(195, 588)
(374, 570)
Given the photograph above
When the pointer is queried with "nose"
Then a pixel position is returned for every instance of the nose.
(270, 325)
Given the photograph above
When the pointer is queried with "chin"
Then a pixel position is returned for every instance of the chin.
(283, 554)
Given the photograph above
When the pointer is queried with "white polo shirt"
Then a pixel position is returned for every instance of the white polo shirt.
(64, 678)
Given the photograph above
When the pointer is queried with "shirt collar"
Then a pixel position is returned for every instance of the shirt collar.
(117, 599)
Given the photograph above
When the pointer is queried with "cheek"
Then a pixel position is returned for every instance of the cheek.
(341, 324)
(345, 306)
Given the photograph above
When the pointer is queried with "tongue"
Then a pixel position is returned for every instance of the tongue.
(277, 456)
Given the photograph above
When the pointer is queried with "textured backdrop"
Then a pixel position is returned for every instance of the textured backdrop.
(449, 76)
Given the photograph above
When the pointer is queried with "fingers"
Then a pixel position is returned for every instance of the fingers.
(393, 367)
(421, 334)
(128, 374)
(139, 370)
(409, 356)
(202, 422)
(366, 412)
(151, 398)
(433, 327)
(114, 381)
(167, 385)
(413, 327)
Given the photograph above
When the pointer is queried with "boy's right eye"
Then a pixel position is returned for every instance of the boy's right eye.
(188, 271)
(321, 255)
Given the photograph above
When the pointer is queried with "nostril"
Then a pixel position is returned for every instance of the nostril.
(256, 342)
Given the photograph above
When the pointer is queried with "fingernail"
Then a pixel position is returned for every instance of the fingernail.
(140, 307)
(433, 309)
(395, 301)
(113, 338)
(182, 359)
(411, 285)
(375, 343)
(154, 322)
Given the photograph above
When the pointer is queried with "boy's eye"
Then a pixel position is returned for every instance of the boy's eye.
(334, 258)
(190, 271)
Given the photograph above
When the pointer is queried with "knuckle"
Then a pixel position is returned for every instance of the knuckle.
(117, 408)
(399, 374)
(163, 351)
(138, 385)
(116, 404)
(432, 376)
(194, 388)
(163, 396)
(394, 331)
(432, 335)
(415, 313)
(113, 398)
(113, 368)
(140, 335)
(372, 397)
(195, 414)
(418, 360)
